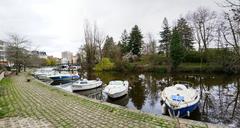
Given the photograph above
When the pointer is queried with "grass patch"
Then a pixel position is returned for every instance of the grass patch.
(4, 103)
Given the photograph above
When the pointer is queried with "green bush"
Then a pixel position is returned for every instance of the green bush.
(194, 57)
(153, 59)
(104, 65)
(125, 66)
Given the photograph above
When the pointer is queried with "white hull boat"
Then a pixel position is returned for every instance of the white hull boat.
(180, 100)
(116, 89)
(85, 84)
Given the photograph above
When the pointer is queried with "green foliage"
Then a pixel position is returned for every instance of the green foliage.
(165, 37)
(51, 62)
(111, 50)
(198, 68)
(153, 59)
(125, 66)
(135, 42)
(4, 109)
(194, 57)
(104, 65)
(186, 33)
(176, 50)
(108, 47)
(124, 42)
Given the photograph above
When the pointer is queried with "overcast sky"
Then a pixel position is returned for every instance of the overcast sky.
(57, 25)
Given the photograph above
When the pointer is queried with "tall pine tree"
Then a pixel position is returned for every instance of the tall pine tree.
(135, 41)
(176, 49)
(186, 33)
(108, 47)
(165, 38)
(124, 42)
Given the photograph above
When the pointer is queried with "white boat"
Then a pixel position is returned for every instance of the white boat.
(85, 84)
(42, 73)
(180, 100)
(116, 88)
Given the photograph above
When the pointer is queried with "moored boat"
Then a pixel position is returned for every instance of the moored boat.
(85, 84)
(116, 89)
(63, 76)
(180, 100)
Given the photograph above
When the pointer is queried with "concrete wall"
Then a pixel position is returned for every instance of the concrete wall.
(1, 76)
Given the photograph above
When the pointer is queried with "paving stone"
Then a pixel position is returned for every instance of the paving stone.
(48, 107)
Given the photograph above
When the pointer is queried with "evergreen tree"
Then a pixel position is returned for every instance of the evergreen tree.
(186, 33)
(135, 41)
(108, 47)
(124, 42)
(176, 49)
(165, 38)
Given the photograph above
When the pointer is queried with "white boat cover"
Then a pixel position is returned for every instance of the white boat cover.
(116, 87)
(179, 96)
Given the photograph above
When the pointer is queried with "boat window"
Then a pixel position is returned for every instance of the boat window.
(178, 88)
(83, 82)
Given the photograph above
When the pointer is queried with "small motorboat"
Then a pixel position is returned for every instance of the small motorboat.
(180, 100)
(42, 73)
(116, 89)
(85, 84)
(63, 76)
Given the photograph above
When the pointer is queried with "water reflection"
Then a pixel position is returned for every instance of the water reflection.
(219, 94)
(123, 101)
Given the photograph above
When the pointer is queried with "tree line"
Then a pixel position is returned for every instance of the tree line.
(203, 36)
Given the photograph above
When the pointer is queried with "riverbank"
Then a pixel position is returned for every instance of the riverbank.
(182, 68)
(34, 104)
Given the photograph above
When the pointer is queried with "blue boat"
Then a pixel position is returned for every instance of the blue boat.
(63, 77)
(180, 100)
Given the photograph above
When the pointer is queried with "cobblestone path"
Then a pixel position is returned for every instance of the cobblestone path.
(33, 104)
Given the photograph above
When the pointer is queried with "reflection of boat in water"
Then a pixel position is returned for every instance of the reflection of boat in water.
(180, 100)
(123, 101)
(95, 93)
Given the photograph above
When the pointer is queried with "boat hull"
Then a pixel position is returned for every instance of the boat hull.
(183, 112)
(59, 78)
(118, 94)
(81, 88)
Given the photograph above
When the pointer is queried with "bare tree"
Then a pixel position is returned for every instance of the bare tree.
(229, 30)
(99, 39)
(234, 6)
(204, 22)
(151, 44)
(93, 43)
(17, 52)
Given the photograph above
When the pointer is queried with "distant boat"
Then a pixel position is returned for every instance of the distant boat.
(116, 89)
(42, 73)
(85, 84)
(180, 100)
(63, 76)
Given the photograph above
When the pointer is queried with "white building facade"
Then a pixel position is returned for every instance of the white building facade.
(3, 46)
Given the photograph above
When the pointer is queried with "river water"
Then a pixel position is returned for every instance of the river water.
(220, 94)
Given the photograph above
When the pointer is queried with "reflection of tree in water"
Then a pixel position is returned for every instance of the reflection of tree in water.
(220, 104)
(137, 93)
(152, 89)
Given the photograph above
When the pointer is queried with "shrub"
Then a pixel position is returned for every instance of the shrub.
(194, 57)
(104, 65)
